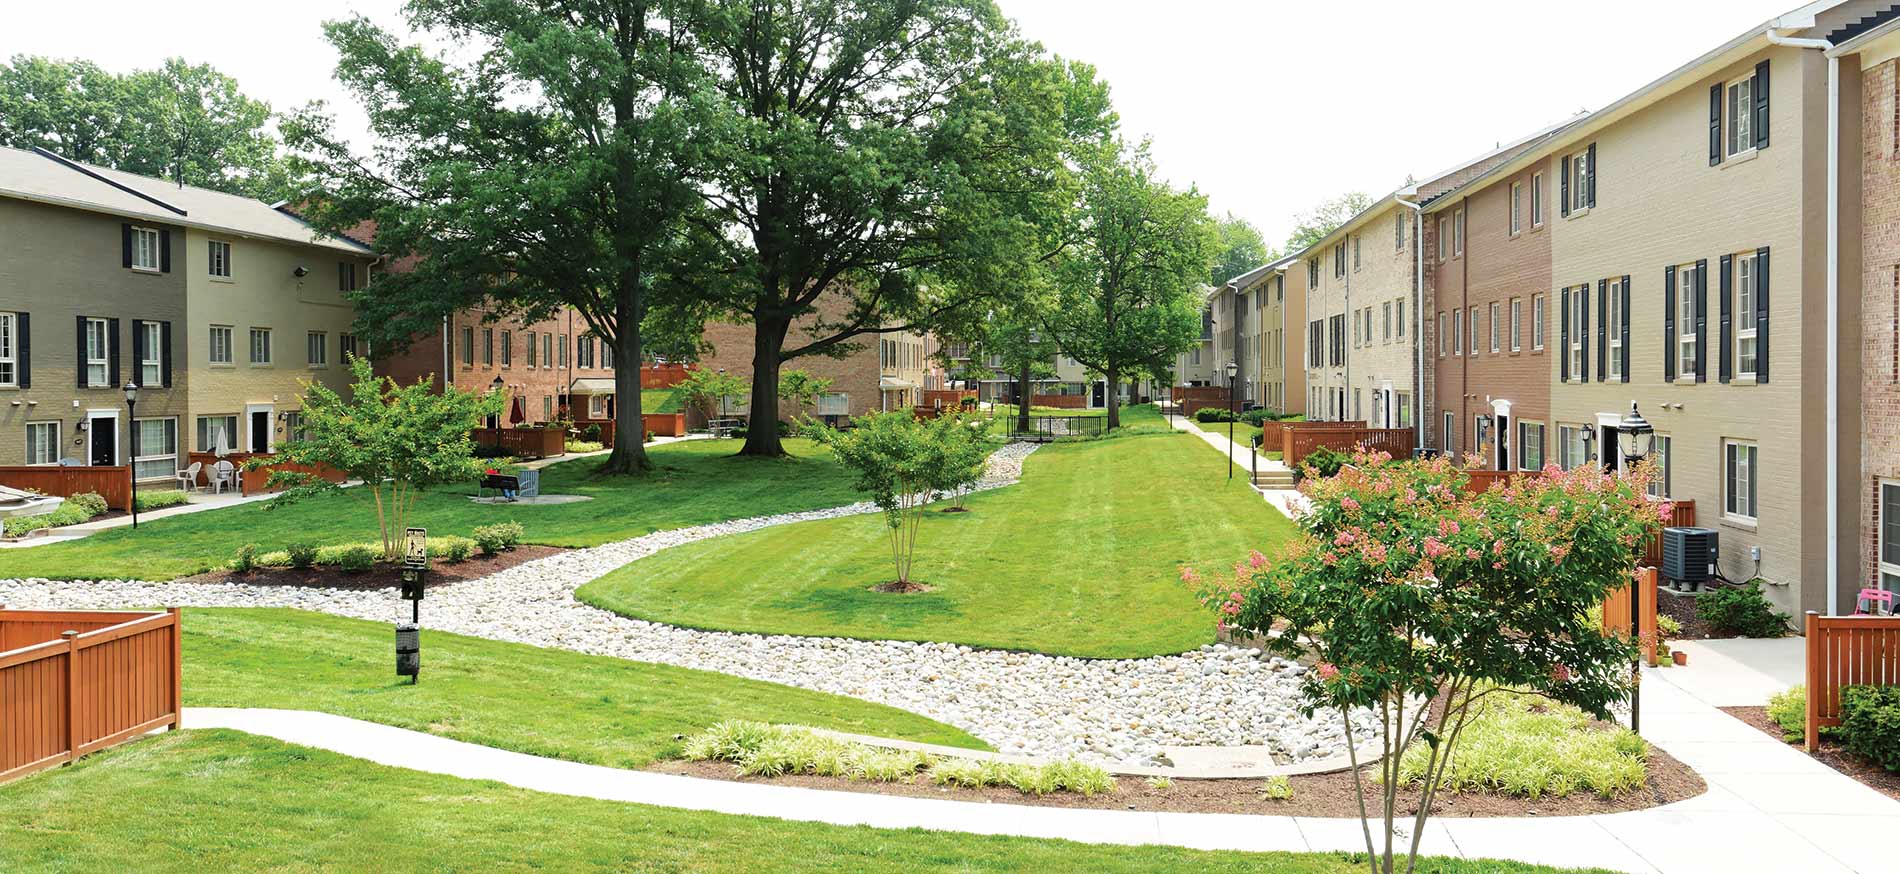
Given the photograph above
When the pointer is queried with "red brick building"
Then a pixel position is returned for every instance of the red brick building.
(546, 367)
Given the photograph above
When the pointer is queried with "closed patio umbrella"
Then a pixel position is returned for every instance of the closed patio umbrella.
(517, 412)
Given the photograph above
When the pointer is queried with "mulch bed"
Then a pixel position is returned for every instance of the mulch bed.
(1328, 795)
(1682, 609)
(383, 576)
(1831, 753)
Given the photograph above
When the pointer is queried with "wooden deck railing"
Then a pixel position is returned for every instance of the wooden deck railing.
(76, 682)
(112, 483)
(1847, 651)
(1301, 439)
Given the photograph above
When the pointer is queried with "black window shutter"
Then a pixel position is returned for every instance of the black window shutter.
(1583, 332)
(1590, 175)
(1761, 314)
(1702, 320)
(1563, 199)
(1761, 105)
(1562, 341)
(1669, 324)
(1625, 329)
(112, 351)
(164, 251)
(165, 354)
(24, 364)
(138, 349)
(1723, 305)
(125, 247)
(80, 355)
(1603, 330)
(1715, 124)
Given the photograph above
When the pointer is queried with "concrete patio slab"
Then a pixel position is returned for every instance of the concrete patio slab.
(1742, 672)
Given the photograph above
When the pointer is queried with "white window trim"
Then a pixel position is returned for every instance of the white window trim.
(1686, 335)
(1517, 208)
(1517, 324)
(1537, 200)
(270, 353)
(1579, 166)
(58, 443)
(319, 342)
(1493, 316)
(104, 361)
(210, 441)
(1884, 569)
(154, 354)
(1580, 307)
(1613, 330)
(1730, 118)
(173, 455)
(1458, 233)
(1442, 245)
(211, 263)
(1745, 316)
(9, 350)
(1754, 480)
(1471, 330)
(1537, 322)
(230, 346)
(1665, 459)
(139, 235)
(1521, 443)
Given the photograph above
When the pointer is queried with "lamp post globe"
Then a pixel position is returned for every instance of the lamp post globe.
(1635, 436)
(132, 433)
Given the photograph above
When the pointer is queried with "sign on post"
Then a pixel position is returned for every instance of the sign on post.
(415, 553)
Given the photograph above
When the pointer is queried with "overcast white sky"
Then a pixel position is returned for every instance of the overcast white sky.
(1269, 107)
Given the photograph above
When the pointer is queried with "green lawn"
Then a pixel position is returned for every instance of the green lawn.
(198, 801)
(697, 481)
(1081, 558)
(547, 702)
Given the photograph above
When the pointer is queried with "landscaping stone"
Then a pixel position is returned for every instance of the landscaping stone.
(1026, 703)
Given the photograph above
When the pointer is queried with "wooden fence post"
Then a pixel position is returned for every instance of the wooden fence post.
(178, 668)
(72, 694)
(1812, 627)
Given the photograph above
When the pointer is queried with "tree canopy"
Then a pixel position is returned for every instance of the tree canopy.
(179, 121)
(1314, 224)
(1238, 248)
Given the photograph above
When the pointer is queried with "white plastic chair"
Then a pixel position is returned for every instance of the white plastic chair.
(188, 478)
(224, 473)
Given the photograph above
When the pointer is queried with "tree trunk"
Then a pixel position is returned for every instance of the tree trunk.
(1113, 382)
(630, 431)
(761, 436)
(1022, 398)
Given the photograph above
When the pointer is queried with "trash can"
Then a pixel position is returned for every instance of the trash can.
(408, 650)
(530, 483)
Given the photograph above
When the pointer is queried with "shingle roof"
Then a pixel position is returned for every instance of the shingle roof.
(43, 176)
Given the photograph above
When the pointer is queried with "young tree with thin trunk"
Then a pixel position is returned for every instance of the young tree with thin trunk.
(545, 171)
(1127, 289)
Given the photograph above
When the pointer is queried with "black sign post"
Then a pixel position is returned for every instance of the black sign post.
(415, 563)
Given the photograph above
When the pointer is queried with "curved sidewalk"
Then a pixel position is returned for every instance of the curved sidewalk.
(1768, 808)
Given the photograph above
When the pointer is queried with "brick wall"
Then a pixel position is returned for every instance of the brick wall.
(855, 375)
(1880, 305)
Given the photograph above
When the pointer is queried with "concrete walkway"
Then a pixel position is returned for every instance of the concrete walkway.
(1768, 808)
(200, 502)
(1288, 501)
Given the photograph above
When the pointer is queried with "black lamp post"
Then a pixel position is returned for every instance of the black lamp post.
(1635, 437)
(132, 437)
(1232, 410)
(496, 387)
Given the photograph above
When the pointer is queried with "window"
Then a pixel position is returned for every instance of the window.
(151, 349)
(212, 429)
(1457, 232)
(9, 352)
(547, 404)
(1613, 328)
(145, 249)
(488, 347)
(547, 350)
(1441, 238)
(98, 352)
(260, 346)
(1355, 251)
(1517, 324)
(833, 403)
(1472, 331)
(220, 345)
(1572, 452)
(294, 427)
(507, 348)
(1685, 322)
(1358, 408)
(468, 346)
(1579, 317)
(531, 346)
(347, 347)
(1517, 208)
(1745, 316)
(1445, 433)
(155, 448)
(1537, 200)
(1579, 178)
(317, 348)
(1385, 326)
(562, 345)
(1400, 333)
(1741, 112)
(1458, 332)
(218, 258)
(1662, 452)
(1537, 323)
(584, 354)
(42, 443)
(1398, 230)
(345, 276)
(1405, 410)
(1889, 535)
(1530, 445)
(1441, 334)
(1739, 465)
(1495, 329)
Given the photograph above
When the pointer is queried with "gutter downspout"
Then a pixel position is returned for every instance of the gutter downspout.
(448, 375)
(1418, 322)
(1833, 305)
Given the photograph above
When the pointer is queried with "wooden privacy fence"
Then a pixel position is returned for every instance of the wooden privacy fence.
(257, 482)
(523, 442)
(112, 483)
(1298, 442)
(76, 682)
(1616, 612)
(1847, 651)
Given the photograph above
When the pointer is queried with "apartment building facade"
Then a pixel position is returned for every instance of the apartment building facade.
(1875, 55)
(1282, 332)
(219, 307)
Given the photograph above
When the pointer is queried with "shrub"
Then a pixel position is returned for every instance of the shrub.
(583, 446)
(160, 499)
(1741, 611)
(246, 558)
(88, 502)
(1790, 711)
(1277, 788)
(1870, 722)
(356, 558)
(302, 555)
(457, 548)
(1160, 782)
(491, 539)
(1212, 414)
(1323, 462)
(1526, 746)
(591, 433)
(765, 750)
(1259, 417)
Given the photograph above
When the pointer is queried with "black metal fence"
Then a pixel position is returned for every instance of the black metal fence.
(1043, 429)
